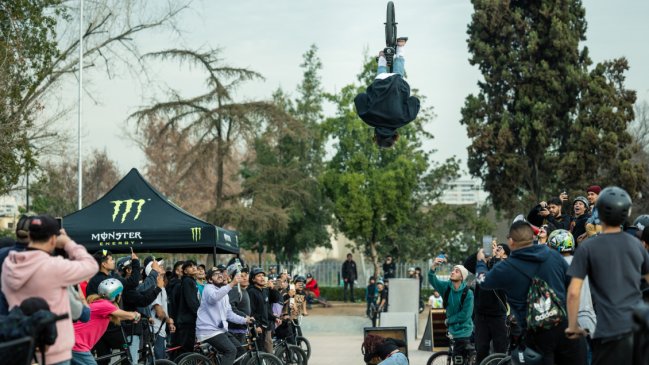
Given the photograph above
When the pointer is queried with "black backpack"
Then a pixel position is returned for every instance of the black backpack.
(465, 291)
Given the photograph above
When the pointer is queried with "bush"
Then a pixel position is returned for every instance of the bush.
(336, 293)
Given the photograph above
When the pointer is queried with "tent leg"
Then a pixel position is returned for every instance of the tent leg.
(214, 257)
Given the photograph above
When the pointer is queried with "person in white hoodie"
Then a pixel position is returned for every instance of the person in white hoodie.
(214, 313)
(36, 273)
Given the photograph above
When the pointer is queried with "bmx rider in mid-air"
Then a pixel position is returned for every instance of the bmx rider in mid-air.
(386, 104)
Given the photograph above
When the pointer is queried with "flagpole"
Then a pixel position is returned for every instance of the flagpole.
(79, 161)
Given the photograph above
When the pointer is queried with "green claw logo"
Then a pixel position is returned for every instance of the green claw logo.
(196, 234)
(128, 205)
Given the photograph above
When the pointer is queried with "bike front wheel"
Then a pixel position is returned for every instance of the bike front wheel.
(438, 358)
(291, 355)
(390, 26)
(262, 358)
(304, 344)
(164, 362)
(195, 359)
(507, 360)
(493, 359)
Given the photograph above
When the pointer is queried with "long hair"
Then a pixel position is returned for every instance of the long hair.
(370, 346)
(95, 297)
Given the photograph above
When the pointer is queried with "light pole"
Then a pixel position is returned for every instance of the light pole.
(79, 161)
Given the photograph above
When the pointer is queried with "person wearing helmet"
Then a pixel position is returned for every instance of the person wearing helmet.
(260, 308)
(104, 308)
(214, 314)
(581, 210)
(563, 241)
(615, 263)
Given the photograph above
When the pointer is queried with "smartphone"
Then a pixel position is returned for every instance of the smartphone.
(291, 301)
(486, 245)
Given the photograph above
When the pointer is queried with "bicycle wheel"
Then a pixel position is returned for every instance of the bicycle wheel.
(164, 362)
(181, 356)
(438, 358)
(390, 26)
(262, 358)
(291, 355)
(304, 344)
(507, 360)
(493, 359)
(195, 359)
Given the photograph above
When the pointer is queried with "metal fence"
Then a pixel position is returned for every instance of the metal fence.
(328, 273)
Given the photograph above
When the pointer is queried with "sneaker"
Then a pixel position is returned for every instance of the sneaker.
(402, 39)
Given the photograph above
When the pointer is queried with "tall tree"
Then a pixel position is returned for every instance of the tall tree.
(213, 118)
(55, 191)
(540, 113)
(376, 192)
(286, 210)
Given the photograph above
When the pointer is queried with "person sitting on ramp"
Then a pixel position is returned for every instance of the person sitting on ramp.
(386, 104)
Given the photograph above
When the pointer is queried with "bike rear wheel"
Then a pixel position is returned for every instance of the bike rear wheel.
(493, 359)
(438, 358)
(291, 355)
(505, 361)
(194, 359)
(390, 26)
(262, 358)
(164, 362)
(304, 344)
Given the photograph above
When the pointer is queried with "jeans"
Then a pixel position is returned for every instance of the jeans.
(227, 346)
(160, 347)
(616, 351)
(134, 347)
(349, 283)
(488, 329)
(398, 67)
(83, 358)
(396, 359)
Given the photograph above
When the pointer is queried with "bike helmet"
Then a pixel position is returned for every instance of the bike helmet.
(123, 263)
(583, 200)
(110, 288)
(256, 271)
(526, 356)
(561, 240)
(641, 222)
(613, 206)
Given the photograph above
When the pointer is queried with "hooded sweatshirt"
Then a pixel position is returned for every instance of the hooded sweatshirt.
(533, 260)
(35, 273)
(215, 312)
(459, 321)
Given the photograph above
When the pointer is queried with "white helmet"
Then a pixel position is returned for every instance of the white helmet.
(110, 288)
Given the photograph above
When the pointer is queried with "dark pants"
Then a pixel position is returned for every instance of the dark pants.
(488, 329)
(616, 351)
(227, 346)
(349, 283)
(241, 337)
(556, 348)
(370, 300)
(160, 347)
(185, 338)
(112, 339)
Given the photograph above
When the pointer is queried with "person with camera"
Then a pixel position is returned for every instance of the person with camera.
(214, 314)
(36, 273)
(458, 301)
(614, 262)
(549, 212)
(260, 308)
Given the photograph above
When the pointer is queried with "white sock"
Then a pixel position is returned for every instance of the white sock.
(400, 51)
(382, 61)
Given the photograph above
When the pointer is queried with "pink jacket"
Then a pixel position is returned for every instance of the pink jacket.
(34, 273)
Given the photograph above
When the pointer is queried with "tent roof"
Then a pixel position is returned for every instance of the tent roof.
(134, 214)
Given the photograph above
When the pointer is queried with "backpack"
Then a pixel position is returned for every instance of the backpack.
(465, 291)
(544, 309)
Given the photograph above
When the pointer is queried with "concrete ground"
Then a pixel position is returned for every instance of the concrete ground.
(336, 335)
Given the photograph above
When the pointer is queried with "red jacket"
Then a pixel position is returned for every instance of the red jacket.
(312, 286)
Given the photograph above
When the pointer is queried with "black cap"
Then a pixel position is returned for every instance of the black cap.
(505, 248)
(42, 227)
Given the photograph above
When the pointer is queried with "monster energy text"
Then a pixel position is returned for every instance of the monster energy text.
(196, 234)
(128, 205)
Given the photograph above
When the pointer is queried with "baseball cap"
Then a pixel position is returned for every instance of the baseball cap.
(42, 227)
(214, 270)
(22, 229)
(148, 263)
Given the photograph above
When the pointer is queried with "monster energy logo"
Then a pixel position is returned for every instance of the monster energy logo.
(196, 234)
(128, 205)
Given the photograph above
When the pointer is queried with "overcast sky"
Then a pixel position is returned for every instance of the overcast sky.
(271, 36)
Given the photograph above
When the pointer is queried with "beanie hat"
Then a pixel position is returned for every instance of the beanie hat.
(463, 270)
(583, 200)
(594, 188)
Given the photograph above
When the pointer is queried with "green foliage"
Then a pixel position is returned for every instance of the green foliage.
(287, 211)
(541, 121)
(28, 48)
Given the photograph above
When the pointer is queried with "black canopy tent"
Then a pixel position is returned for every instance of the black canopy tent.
(134, 214)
